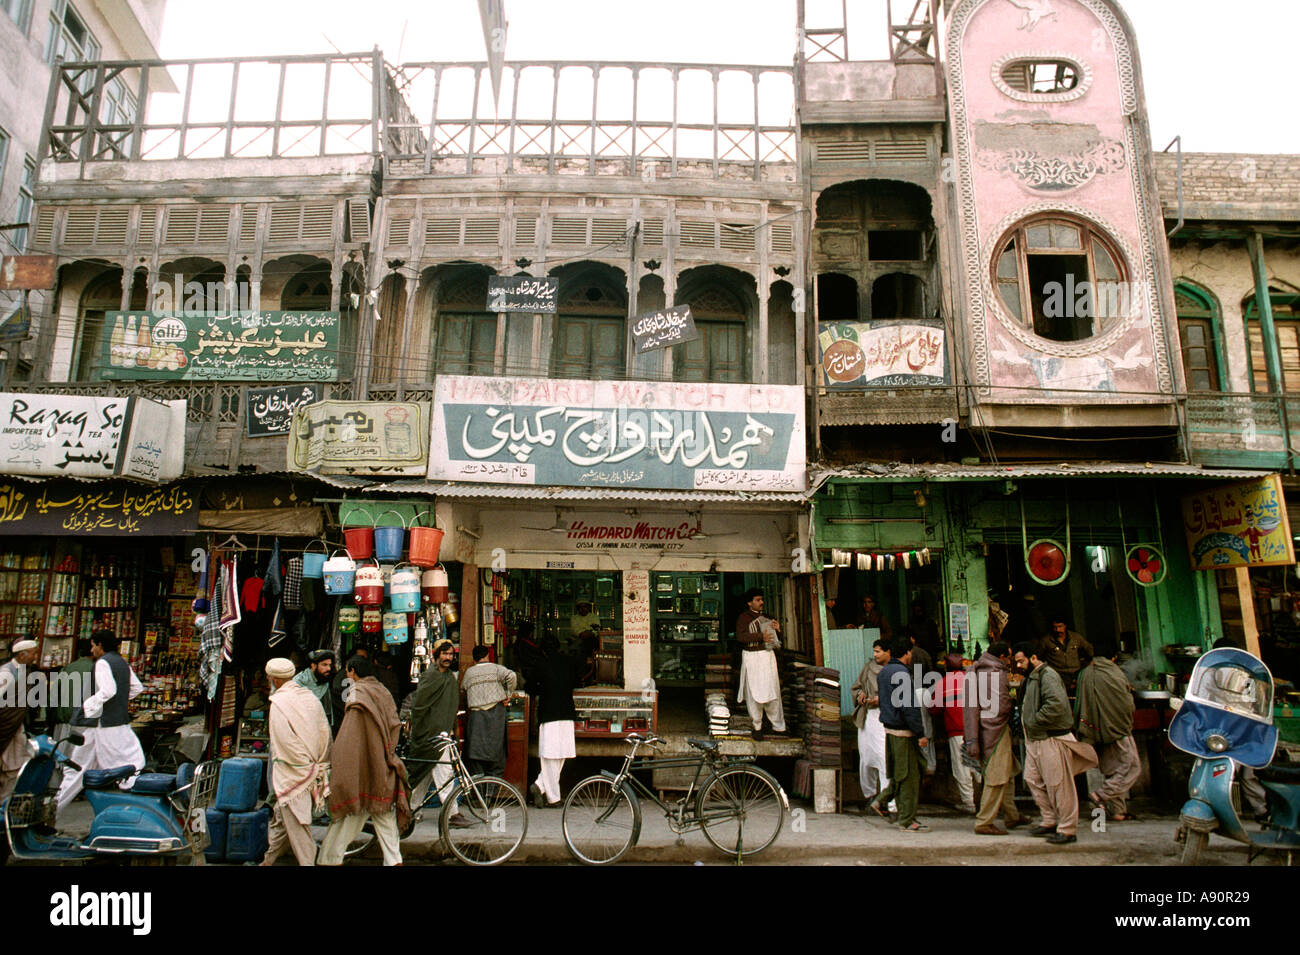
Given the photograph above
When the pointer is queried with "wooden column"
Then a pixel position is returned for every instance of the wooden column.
(469, 610)
(1246, 595)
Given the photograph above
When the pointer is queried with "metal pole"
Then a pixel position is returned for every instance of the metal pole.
(1272, 359)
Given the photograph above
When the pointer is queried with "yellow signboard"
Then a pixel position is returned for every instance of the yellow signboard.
(1242, 524)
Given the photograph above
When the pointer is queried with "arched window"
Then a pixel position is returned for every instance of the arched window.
(102, 295)
(898, 295)
(591, 324)
(837, 297)
(466, 341)
(1286, 327)
(1198, 322)
(1060, 277)
(721, 353)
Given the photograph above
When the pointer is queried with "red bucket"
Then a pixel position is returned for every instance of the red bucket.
(360, 542)
(425, 544)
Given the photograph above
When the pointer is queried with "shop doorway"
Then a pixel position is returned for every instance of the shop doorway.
(895, 592)
(582, 610)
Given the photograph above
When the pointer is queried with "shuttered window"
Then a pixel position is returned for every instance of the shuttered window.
(590, 348)
(466, 344)
(717, 355)
(1286, 325)
(1198, 354)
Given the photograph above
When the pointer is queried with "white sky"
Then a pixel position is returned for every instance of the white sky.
(1222, 75)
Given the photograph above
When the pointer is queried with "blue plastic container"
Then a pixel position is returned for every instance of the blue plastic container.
(237, 784)
(246, 835)
(217, 828)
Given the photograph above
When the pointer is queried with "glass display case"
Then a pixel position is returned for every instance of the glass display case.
(606, 713)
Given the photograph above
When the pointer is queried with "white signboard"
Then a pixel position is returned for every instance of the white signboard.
(92, 437)
(618, 434)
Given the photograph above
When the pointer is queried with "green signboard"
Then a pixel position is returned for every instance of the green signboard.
(210, 346)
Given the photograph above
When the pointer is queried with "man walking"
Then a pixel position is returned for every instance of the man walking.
(1050, 760)
(872, 774)
(951, 708)
(105, 722)
(76, 673)
(987, 738)
(434, 706)
(366, 772)
(299, 763)
(557, 675)
(13, 718)
(904, 737)
(487, 687)
(760, 684)
(1105, 719)
(316, 678)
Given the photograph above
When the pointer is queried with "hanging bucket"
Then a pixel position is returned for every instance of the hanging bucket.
(404, 590)
(395, 628)
(313, 565)
(434, 583)
(369, 587)
(371, 620)
(425, 544)
(390, 540)
(349, 621)
(360, 541)
(339, 573)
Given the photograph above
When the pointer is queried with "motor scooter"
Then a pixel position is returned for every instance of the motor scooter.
(1226, 721)
(162, 815)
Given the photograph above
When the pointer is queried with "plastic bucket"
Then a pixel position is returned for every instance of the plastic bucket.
(339, 573)
(425, 544)
(371, 620)
(436, 582)
(390, 540)
(360, 541)
(369, 587)
(395, 628)
(404, 590)
(313, 565)
(349, 620)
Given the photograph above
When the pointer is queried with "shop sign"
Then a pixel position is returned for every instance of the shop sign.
(91, 437)
(211, 346)
(559, 565)
(1243, 524)
(959, 623)
(26, 272)
(522, 293)
(618, 433)
(664, 328)
(360, 437)
(122, 509)
(270, 410)
(884, 354)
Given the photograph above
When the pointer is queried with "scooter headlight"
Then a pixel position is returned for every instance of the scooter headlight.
(1217, 742)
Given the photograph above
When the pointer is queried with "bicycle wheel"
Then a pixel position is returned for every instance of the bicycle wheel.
(600, 823)
(497, 821)
(741, 810)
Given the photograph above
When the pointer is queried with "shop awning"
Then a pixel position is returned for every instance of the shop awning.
(508, 492)
(940, 473)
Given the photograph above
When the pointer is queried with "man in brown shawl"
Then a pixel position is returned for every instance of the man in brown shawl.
(987, 721)
(365, 773)
(1105, 719)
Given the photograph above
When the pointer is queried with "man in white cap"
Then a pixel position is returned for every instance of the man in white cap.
(299, 767)
(105, 721)
(13, 713)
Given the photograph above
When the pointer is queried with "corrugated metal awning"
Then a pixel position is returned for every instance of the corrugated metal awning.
(996, 472)
(517, 492)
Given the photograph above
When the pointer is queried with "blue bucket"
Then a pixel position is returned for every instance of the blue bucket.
(313, 565)
(390, 541)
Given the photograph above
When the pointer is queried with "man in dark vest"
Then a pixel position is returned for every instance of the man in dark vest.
(105, 721)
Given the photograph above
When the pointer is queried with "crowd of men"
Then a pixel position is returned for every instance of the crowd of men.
(1072, 712)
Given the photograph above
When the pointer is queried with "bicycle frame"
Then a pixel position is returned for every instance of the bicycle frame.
(461, 779)
(684, 822)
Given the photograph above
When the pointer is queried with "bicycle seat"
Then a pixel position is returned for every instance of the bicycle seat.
(102, 778)
(704, 745)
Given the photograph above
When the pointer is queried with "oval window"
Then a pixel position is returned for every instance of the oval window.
(1041, 77)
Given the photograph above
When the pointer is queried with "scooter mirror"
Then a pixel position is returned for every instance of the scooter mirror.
(76, 739)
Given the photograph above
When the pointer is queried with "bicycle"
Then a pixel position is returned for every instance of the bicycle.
(497, 813)
(736, 802)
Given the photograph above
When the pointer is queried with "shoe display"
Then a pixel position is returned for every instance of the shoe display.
(1061, 839)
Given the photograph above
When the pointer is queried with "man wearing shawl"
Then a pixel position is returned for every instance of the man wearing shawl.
(434, 705)
(872, 774)
(987, 738)
(316, 679)
(299, 767)
(365, 774)
(13, 718)
(760, 683)
(1105, 719)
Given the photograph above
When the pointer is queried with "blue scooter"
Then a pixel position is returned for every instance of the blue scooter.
(1227, 721)
(162, 815)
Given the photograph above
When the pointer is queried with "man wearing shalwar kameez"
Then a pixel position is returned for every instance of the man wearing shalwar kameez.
(434, 706)
(105, 723)
(487, 687)
(760, 684)
(872, 773)
(299, 767)
(13, 718)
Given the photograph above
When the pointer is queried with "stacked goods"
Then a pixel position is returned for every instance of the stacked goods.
(822, 715)
(237, 832)
(719, 714)
(719, 675)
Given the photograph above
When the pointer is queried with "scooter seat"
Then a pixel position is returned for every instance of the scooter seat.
(154, 783)
(103, 778)
(1278, 774)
